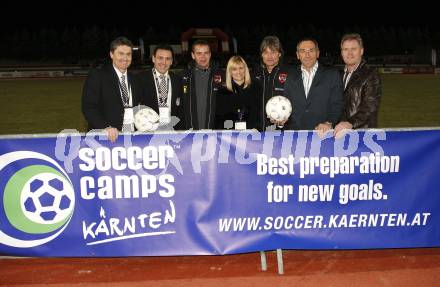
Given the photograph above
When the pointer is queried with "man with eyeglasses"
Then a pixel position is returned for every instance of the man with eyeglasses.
(314, 90)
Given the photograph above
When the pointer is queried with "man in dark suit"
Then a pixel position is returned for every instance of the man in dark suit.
(314, 91)
(110, 92)
(161, 89)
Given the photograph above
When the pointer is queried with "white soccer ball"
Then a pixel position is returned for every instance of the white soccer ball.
(278, 108)
(146, 120)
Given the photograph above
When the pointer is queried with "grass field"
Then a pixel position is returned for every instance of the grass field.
(40, 105)
(410, 101)
(50, 105)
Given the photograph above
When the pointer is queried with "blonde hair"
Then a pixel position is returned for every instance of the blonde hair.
(235, 61)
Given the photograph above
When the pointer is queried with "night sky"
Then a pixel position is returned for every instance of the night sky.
(25, 27)
(136, 15)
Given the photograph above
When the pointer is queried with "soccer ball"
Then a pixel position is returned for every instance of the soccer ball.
(278, 108)
(47, 198)
(146, 119)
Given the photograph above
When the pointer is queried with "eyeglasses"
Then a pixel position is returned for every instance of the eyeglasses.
(303, 51)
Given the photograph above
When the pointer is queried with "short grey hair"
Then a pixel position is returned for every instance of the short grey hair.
(307, 39)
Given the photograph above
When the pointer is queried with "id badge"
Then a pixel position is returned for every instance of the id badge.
(164, 115)
(240, 125)
(128, 116)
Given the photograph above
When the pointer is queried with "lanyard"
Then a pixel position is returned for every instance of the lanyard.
(156, 78)
(126, 105)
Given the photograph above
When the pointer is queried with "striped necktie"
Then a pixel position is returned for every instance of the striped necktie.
(126, 103)
(163, 91)
(125, 99)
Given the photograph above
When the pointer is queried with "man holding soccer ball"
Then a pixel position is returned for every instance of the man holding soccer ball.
(314, 91)
(161, 89)
(271, 76)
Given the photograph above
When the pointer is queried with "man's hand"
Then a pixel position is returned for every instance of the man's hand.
(341, 129)
(278, 123)
(112, 134)
(323, 128)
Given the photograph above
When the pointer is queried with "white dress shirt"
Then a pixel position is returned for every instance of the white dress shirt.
(349, 75)
(130, 98)
(307, 77)
(128, 120)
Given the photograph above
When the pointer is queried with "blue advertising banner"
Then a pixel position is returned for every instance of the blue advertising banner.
(222, 192)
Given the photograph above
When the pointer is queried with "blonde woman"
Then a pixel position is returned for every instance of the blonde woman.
(237, 103)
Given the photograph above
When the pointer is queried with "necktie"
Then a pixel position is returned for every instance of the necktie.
(125, 99)
(163, 91)
(345, 78)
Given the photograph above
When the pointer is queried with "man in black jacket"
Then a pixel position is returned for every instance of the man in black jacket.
(314, 91)
(110, 92)
(161, 89)
(270, 75)
(201, 82)
(362, 87)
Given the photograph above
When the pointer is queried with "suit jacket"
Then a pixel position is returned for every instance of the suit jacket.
(362, 97)
(323, 103)
(149, 95)
(101, 100)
